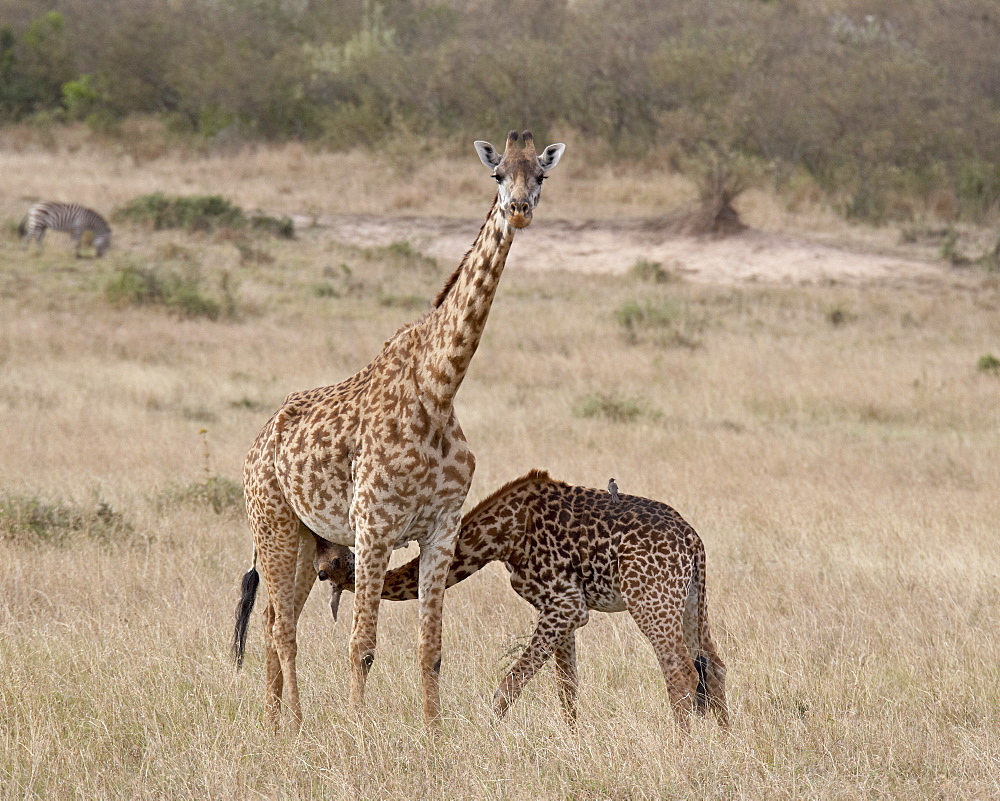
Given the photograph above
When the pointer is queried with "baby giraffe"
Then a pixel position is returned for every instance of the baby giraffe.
(569, 550)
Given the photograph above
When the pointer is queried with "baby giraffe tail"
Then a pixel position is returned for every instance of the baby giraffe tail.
(248, 594)
(711, 692)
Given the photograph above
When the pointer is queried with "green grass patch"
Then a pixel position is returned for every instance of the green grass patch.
(662, 322)
(181, 293)
(28, 520)
(402, 255)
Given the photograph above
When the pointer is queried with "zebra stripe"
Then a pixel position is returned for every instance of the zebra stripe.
(69, 217)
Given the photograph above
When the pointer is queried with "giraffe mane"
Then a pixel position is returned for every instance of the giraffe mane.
(536, 475)
(453, 278)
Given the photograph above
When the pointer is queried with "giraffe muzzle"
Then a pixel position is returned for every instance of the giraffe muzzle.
(519, 213)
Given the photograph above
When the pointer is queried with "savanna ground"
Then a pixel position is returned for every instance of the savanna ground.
(833, 436)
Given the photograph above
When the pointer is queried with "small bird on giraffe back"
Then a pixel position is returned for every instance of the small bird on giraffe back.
(613, 489)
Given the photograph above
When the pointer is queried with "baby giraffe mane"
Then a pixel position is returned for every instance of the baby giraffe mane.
(534, 476)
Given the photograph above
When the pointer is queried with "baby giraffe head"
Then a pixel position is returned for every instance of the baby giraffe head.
(519, 173)
(334, 563)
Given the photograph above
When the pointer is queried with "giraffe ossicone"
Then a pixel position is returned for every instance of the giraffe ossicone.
(380, 458)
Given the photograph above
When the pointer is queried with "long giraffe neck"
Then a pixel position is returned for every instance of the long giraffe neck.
(451, 332)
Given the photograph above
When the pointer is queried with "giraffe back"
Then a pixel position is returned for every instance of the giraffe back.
(583, 535)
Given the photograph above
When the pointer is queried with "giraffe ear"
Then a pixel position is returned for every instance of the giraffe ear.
(488, 154)
(550, 156)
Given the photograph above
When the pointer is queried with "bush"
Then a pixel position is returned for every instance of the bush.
(280, 227)
(988, 363)
(194, 213)
(721, 177)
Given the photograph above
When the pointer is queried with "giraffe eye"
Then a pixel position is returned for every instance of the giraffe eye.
(499, 178)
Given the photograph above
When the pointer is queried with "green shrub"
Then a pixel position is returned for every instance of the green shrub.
(978, 188)
(402, 255)
(183, 294)
(193, 213)
(80, 97)
(988, 363)
(634, 315)
(31, 521)
(281, 227)
(838, 316)
(136, 286)
(397, 301)
(217, 493)
(652, 271)
(614, 408)
(662, 322)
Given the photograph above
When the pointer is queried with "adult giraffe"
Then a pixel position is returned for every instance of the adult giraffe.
(380, 459)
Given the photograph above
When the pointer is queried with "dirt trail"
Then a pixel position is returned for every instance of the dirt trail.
(753, 256)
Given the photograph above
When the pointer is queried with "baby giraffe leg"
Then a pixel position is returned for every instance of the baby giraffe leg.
(566, 677)
(675, 662)
(561, 611)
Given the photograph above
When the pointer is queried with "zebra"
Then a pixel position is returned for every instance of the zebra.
(65, 217)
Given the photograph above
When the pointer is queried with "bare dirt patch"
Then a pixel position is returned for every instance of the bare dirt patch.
(614, 247)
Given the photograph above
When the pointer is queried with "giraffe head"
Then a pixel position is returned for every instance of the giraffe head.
(519, 173)
(334, 563)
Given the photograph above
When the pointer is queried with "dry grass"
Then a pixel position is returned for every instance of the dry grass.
(835, 447)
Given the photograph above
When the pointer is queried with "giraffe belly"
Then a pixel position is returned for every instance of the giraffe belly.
(605, 604)
(602, 590)
(334, 528)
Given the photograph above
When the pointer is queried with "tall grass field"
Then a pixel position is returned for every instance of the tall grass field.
(837, 447)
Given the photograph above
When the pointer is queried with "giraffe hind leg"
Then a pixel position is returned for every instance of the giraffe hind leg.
(712, 684)
(277, 545)
(701, 694)
(658, 615)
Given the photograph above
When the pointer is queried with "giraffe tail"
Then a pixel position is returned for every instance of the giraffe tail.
(248, 594)
(711, 690)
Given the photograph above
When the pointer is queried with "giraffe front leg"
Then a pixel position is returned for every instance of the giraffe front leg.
(555, 623)
(435, 563)
(371, 563)
(566, 677)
